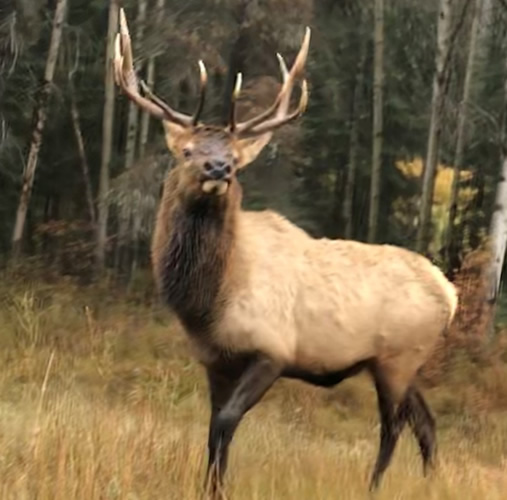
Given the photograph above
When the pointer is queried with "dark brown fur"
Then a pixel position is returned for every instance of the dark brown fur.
(193, 243)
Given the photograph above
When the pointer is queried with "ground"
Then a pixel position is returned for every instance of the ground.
(99, 399)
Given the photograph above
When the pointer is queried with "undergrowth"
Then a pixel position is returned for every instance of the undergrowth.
(101, 399)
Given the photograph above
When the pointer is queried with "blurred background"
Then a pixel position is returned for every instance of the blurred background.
(318, 172)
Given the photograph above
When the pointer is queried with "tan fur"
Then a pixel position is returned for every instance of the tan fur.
(323, 305)
(254, 285)
(320, 305)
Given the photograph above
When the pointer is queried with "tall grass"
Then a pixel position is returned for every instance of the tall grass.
(99, 399)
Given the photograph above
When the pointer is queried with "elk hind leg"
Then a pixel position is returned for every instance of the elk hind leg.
(392, 420)
(422, 424)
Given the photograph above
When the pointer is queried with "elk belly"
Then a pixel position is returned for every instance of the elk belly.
(333, 333)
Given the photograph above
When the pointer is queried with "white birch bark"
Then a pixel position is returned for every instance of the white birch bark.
(498, 226)
(40, 112)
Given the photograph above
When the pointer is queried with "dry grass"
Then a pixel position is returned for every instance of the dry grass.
(100, 400)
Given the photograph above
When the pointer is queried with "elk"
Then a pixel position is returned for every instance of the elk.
(259, 299)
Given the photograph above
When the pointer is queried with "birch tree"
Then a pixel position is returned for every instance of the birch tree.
(498, 227)
(435, 130)
(40, 114)
(107, 138)
(378, 79)
(76, 125)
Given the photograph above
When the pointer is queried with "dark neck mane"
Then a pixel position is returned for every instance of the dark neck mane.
(195, 258)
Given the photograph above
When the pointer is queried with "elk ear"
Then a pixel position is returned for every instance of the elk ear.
(173, 134)
(249, 149)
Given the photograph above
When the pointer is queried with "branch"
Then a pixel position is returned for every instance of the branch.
(503, 4)
(497, 138)
(454, 35)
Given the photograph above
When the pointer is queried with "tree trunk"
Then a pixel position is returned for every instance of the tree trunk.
(40, 115)
(498, 227)
(376, 162)
(107, 139)
(475, 41)
(354, 142)
(76, 124)
(130, 147)
(150, 79)
(435, 130)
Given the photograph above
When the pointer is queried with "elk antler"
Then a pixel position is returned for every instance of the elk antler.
(261, 125)
(264, 122)
(126, 78)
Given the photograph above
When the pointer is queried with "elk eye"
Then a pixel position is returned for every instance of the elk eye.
(187, 153)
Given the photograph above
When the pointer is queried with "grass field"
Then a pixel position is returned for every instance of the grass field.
(99, 399)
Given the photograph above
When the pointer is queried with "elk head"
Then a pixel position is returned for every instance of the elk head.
(209, 156)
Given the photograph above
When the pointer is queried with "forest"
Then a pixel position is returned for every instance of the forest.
(403, 142)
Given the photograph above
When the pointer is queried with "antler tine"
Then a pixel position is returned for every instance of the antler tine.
(254, 125)
(277, 122)
(163, 105)
(202, 97)
(125, 77)
(244, 126)
(235, 95)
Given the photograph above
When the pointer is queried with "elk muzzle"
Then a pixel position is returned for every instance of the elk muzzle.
(217, 177)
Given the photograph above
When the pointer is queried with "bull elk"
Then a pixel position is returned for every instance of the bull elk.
(260, 299)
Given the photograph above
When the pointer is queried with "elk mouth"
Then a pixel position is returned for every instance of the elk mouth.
(217, 187)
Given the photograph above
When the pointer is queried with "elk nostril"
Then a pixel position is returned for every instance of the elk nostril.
(227, 169)
(208, 166)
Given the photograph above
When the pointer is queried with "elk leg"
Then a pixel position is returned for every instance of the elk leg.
(392, 421)
(423, 426)
(220, 388)
(259, 375)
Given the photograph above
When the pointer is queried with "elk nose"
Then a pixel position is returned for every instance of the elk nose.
(217, 169)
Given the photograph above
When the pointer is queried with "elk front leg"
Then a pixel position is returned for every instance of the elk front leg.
(220, 389)
(258, 376)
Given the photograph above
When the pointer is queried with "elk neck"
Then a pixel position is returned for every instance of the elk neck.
(192, 250)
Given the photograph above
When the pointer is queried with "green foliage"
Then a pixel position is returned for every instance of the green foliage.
(302, 173)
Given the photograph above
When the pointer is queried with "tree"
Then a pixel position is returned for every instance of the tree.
(150, 80)
(130, 147)
(376, 162)
(132, 120)
(435, 129)
(354, 140)
(480, 17)
(107, 139)
(40, 115)
(76, 124)
(498, 227)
